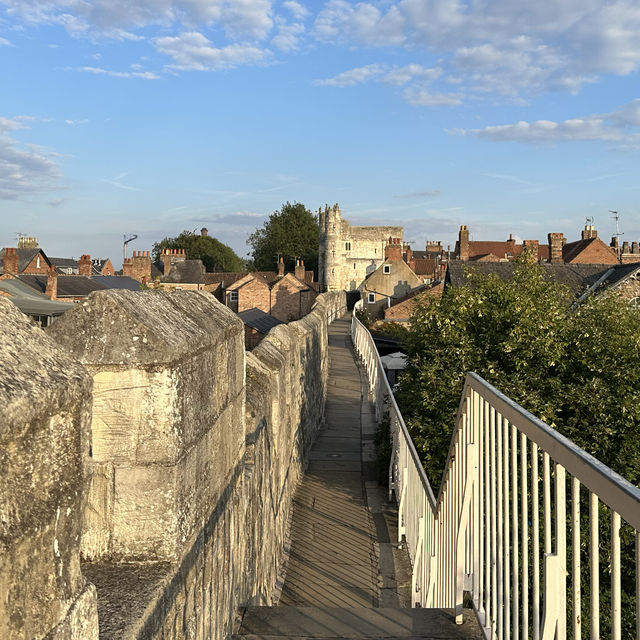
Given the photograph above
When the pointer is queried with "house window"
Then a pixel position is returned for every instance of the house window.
(371, 298)
(347, 246)
(386, 269)
(233, 296)
(38, 262)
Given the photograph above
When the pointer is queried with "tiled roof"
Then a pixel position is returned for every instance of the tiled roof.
(68, 286)
(25, 256)
(117, 282)
(577, 277)
(258, 320)
(186, 272)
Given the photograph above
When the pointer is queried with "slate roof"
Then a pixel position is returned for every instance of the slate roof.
(186, 272)
(68, 286)
(259, 320)
(577, 277)
(64, 263)
(227, 278)
(25, 256)
(117, 282)
(29, 301)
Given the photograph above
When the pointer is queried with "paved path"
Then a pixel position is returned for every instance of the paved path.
(334, 560)
(345, 576)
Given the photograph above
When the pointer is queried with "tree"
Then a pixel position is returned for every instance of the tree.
(214, 254)
(576, 369)
(292, 232)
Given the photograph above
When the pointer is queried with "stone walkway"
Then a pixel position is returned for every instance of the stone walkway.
(346, 577)
(334, 560)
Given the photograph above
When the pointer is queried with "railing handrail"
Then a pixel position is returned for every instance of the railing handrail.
(403, 427)
(612, 489)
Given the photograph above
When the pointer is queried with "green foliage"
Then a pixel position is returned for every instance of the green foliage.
(384, 449)
(578, 370)
(215, 255)
(291, 233)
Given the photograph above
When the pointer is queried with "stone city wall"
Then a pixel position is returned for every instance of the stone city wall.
(193, 455)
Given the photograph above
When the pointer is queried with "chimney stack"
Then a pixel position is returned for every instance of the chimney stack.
(141, 266)
(52, 284)
(625, 247)
(299, 270)
(84, 265)
(204, 232)
(634, 248)
(127, 266)
(280, 266)
(10, 261)
(393, 250)
(463, 243)
(531, 246)
(556, 242)
(589, 232)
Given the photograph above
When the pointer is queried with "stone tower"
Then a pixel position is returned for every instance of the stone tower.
(330, 231)
(348, 254)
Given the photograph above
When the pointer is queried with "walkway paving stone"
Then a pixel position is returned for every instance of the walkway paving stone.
(345, 575)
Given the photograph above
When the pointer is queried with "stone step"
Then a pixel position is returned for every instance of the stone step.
(298, 623)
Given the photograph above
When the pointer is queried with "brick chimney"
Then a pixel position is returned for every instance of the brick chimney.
(10, 261)
(204, 232)
(52, 283)
(141, 266)
(393, 250)
(463, 243)
(625, 247)
(280, 266)
(614, 243)
(127, 267)
(84, 265)
(299, 270)
(634, 248)
(556, 242)
(589, 232)
(409, 258)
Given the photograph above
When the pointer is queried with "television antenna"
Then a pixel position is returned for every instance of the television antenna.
(616, 216)
(126, 241)
(589, 220)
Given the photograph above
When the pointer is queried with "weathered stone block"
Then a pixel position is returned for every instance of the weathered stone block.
(168, 414)
(43, 439)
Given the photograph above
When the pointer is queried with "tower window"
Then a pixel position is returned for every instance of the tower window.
(347, 246)
(354, 265)
(386, 269)
(371, 298)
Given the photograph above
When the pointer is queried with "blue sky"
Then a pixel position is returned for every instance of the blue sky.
(154, 116)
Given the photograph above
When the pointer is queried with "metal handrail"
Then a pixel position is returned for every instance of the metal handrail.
(478, 535)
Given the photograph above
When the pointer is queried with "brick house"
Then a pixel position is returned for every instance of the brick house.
(400, 312)
(25, 260)
(590, 249)
(284, 296)
(392, 281)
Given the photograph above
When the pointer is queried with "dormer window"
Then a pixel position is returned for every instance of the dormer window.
(386, 269)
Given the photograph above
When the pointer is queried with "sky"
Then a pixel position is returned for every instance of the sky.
(149, 117)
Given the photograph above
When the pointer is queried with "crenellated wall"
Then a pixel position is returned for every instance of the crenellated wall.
(194, 452)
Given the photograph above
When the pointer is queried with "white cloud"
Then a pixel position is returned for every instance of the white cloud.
(5, 43)
(401, 75)
(288, 37)
(119, 19)
(75, 122)
(511, 47)
(353, 76)
(361, 22)
(620, 128)
(296, 9)
(143, 75)
(23, 170)
(193, 51)
(425, 98)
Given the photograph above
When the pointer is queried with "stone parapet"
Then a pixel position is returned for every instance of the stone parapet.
(195, 451)
(46, 404)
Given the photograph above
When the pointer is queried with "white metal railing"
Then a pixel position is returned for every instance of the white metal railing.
(499, 528)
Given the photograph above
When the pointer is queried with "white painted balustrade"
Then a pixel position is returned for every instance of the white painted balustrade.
(507, 519)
